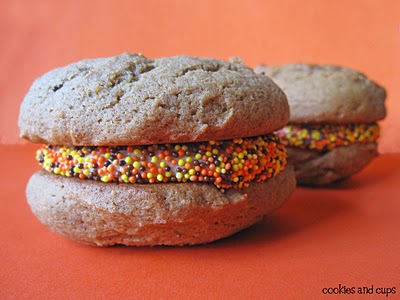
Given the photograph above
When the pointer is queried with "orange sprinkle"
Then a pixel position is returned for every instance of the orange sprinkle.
(129, 149)
(218, 180)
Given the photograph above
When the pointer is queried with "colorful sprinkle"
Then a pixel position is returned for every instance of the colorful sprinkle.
(324, 137)
(226, 164)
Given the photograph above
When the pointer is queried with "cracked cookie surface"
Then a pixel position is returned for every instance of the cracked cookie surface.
(327, 93)
(131, 99)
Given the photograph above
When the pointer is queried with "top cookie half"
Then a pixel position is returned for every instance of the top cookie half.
(132, 100)
(327, 94)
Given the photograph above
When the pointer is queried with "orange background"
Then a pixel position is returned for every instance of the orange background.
(320, 238)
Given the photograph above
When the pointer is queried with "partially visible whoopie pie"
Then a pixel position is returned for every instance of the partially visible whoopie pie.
(332, 131)
(171, 151)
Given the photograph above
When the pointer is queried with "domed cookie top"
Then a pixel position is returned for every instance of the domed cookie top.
(325, 93)
(129, 99)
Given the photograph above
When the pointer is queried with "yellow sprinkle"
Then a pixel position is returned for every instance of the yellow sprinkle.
(315, 134)
(128, 160)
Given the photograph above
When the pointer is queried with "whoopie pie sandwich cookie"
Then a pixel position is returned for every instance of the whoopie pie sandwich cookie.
(171, 151)
(333, 131)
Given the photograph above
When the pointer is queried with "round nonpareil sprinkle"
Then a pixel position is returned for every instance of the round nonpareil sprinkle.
(226, 164)
(324, 137)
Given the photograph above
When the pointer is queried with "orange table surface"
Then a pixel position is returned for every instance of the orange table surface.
(321, 238)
